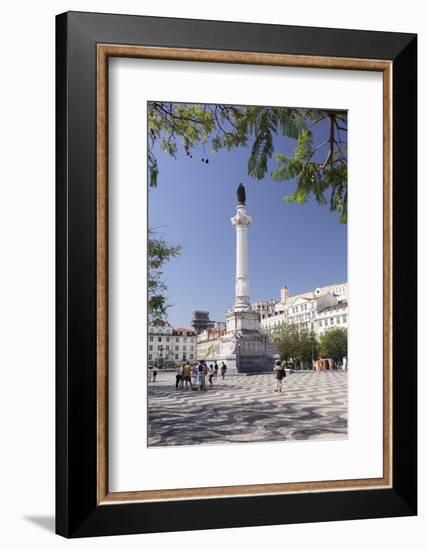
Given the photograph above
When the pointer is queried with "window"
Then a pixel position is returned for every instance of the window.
(176, 355)
(184, 348)
(150, 356)
(151, 338)
(331, 321)
(167, 348)
(184, 339)
(344, 318)
(159, 338)
(191, 356)
(176, 348)
(151, 348)
(167, 338)
(177, 339)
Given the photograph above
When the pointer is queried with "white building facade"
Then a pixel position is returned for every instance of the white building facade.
(168, 345)
(209, 341)
(315, 311)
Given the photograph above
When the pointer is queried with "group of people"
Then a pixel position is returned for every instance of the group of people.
(194, 376)
(329, 364)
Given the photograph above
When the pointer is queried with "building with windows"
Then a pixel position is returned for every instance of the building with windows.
(208, 341)
(332, 317)
(315, 311)
(168, 345)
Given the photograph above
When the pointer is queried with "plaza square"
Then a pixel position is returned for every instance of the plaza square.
(242, 409)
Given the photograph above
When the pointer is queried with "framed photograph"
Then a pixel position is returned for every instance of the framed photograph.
(236, 274)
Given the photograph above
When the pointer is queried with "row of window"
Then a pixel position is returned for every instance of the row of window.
(177, 348)
(177, 356)
(321, 322)
(301, 307)
(161, 331)
(167, 339)
(328, 322)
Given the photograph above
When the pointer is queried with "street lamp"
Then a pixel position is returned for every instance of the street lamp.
(160, 349)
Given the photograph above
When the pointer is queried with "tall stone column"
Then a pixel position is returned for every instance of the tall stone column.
(241, 221)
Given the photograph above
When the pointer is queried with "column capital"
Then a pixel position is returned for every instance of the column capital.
(241, 218)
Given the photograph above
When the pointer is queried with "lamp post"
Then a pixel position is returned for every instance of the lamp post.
(160, 348)
(312, 352)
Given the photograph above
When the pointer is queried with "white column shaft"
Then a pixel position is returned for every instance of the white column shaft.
(241, 221)
(242, 251)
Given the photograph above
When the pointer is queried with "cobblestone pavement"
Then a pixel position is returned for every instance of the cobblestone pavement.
(312, 405)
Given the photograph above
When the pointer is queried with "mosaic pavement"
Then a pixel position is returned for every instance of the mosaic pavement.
(312, 405)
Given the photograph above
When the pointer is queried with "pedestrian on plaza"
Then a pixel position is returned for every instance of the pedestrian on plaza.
(202, 371)
(211, 375)
(223, 370)
(194, 377)
(178, 376)
(187, 369)
(154, 373)
(150, 373)
(215, 369)
(280, 375)
(182, 377)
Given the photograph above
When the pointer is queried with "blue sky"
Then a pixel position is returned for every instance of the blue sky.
(299, 246)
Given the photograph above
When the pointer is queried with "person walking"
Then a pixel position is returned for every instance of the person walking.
(223, 370)
(211, 375)
(201, 374)
(194, 377)
(187, 369)
(154, 373)
(280, 375)
(178, 376)
(215, 369)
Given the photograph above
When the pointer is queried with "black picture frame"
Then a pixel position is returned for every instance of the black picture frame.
(78, 513)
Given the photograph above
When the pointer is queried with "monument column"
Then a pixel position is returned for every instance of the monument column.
(243, 347)
(241, 221)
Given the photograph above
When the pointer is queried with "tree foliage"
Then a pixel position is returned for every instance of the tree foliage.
(334, 344)
(294, 344)
(317, 169)
(158, 252)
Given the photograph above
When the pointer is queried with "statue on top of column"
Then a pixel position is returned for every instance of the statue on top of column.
(240, 193)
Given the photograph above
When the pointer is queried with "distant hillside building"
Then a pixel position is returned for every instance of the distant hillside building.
(201, 321)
